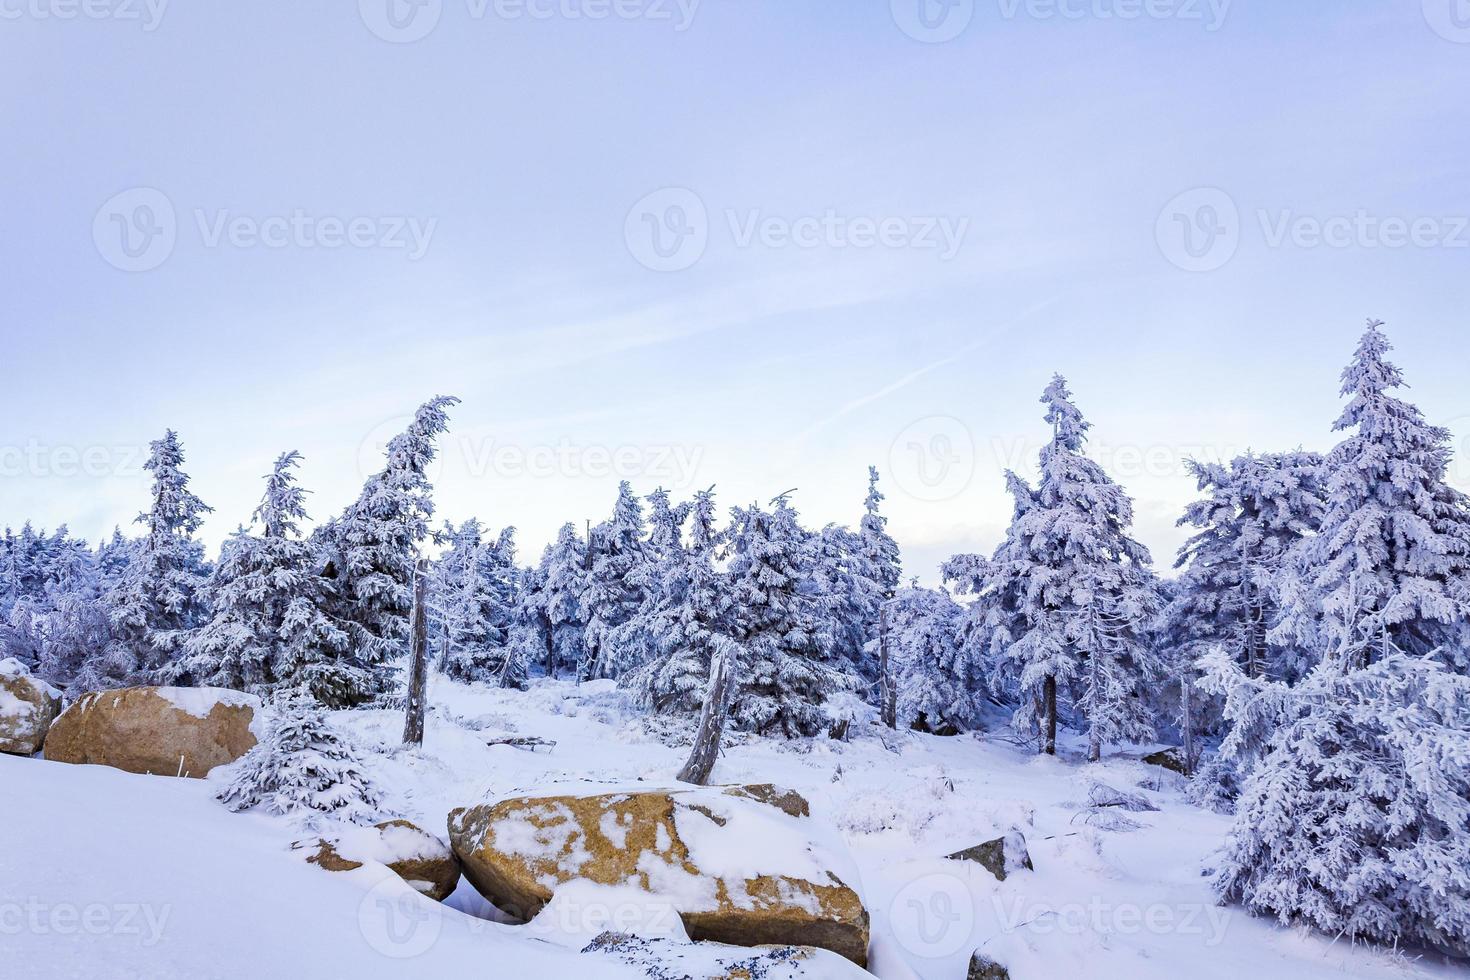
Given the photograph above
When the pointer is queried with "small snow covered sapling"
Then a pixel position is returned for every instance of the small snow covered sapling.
(304, 768)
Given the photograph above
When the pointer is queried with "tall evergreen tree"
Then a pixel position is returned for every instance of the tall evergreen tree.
(611, 595)
(1255, 515)
(787, 669)
(1390, 569)
(688, 624)
(371, 549)
(939, 684)
(268, 623)
(1065, 602)
(161, 595)
(550, 611)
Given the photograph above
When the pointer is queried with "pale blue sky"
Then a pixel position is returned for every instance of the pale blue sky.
(519, 145)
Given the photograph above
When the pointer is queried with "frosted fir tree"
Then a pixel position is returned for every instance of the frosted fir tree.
(1254, 516)
(1389, 569)
(610, 592)
(161, 594)
(787, 669)
(473, 590)
(939, 684)
(304, 768)
(370, 550)
(550, 608)
(268, 623)
(663, 552)
(1356, 819)
(689, 623)
(1064, 605)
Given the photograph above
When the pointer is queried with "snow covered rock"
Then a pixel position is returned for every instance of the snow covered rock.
(734, 862)
(1002, 856)
(414, 854)
(982, 968)
(170, 731)
(28, 705)
(1169, 759)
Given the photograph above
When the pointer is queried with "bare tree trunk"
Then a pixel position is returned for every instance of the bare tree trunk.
(418, 677)
(1187, 719)
(711, 723)
(888, 690)
(1049, 706)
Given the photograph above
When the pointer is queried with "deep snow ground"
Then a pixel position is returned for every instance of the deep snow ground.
(206, 893)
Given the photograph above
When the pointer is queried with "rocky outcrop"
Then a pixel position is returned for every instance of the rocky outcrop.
(414, 854)
(1001, 857)
(28, 706)
(166, 731)
(740, 865)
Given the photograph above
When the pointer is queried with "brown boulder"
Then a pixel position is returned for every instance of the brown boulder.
(28, 706)
(170, 731)
(737, 869)
(414, 854)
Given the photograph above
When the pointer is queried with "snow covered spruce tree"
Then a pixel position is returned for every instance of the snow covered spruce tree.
(304, 768)
(1356, 818)
(938, 681)
(472, 593)
(161, 594)
(1255, 514)
(610, 592)
(369, 551)
(267, 624)
(688, 625)
(549, 613)
(787, 668)
(1064, 605)
(1390, 568)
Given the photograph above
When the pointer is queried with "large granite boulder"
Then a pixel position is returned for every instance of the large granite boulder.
(414, 854)
(28, 706)
(167, 731)
(740, 865)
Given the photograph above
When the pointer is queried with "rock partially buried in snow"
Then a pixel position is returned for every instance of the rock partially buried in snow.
(1169, 759)
(414, 854)
(167, 731)
(666, 958)
(982, 968)
(1001, 857)
(28, 706)
(736, 868)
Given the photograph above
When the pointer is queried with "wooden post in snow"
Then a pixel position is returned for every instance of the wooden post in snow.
(418, 675)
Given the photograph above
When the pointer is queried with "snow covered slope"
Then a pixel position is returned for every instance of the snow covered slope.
(107, 874)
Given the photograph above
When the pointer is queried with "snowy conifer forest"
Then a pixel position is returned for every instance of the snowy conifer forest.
(1268, 736)
(734, 490)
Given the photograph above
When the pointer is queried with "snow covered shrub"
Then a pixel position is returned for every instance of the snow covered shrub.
(1357, 818)
(305, 768)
